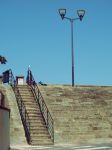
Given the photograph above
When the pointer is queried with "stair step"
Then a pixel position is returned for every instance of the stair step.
(21, 86)
(37, 120)
(36, 112)
(41, 135)
(29, 101)
(35, 115)
(23, 89)
(41, 142)
(23, 93)
(26, 91)
(38, 127)
(27, 97)
(31, 104)
(32, 109)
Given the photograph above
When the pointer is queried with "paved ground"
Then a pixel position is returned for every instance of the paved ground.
(64, 147)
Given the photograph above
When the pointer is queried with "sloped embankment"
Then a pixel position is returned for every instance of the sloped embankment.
(17, 135)
(82, 114)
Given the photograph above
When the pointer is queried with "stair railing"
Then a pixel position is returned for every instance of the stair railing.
(23, 114)
(12, 80)
(44, 110)
(21, 106)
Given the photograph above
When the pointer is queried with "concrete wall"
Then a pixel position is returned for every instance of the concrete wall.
(4, 128)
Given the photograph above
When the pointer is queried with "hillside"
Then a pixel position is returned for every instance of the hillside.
(17, 135)
(82, 114)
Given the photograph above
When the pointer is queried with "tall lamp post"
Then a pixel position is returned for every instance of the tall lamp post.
(80, 13)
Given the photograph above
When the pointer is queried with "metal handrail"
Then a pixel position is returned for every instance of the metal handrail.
(12, 80)
(23, 114)
(44, 110)
(21, 106)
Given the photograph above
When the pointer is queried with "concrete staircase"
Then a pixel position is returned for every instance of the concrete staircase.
(38, 130)
(81, 114)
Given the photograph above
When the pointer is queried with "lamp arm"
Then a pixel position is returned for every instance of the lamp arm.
(71, 19)
(67, 18)
(75, 19)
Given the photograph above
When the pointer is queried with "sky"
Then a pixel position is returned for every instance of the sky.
(32, 33)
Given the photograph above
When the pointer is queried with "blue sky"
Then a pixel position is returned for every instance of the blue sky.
(32, 33)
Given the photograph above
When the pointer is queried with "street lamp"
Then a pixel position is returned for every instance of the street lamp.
(81, 14)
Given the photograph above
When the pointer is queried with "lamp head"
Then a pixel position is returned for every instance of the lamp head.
(81, 14)
(62, 13)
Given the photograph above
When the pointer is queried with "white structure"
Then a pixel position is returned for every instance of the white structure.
(20, 80)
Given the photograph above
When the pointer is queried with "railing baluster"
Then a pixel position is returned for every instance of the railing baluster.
(45, 112)
(25, 116)
(47, 119)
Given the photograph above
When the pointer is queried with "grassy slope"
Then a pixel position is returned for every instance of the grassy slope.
(17, 135)
(81, 114)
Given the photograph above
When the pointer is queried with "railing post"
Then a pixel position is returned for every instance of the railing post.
(41, 105)
(47, 119)
(38, 94)
(25, 116)
(21, 105)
